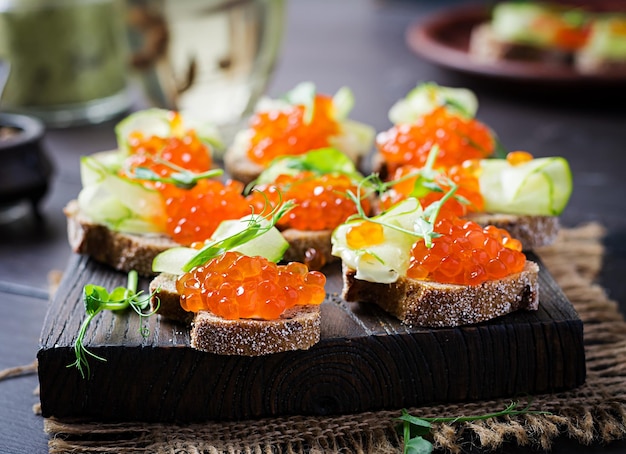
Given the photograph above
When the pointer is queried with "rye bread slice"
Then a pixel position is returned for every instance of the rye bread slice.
(532, 231)
(431, 304)
(122, 251)
(297, 329)
(312, 248)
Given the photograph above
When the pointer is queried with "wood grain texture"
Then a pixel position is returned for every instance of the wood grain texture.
(366, 360)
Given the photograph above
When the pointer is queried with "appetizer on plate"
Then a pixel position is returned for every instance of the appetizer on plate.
(304, 120)
(319, 183)
(605, 49)
(560, 35)
(157, 190)
(238, 300)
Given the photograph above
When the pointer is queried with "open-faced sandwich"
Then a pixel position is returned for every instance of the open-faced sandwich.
(303, 120)
(434, 271)
(515, 191)
(432, 115)
(156, 191)
(238, 300)
(320, 183)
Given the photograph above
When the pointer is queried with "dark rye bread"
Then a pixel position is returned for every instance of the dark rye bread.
(297, 329)
(122, 251)
(431, 304)
(310, 247)
(167, 300)
(532, 231)
(239, 167)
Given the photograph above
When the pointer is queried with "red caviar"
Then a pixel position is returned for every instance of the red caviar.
(236, 286)
(194, 214)
(465, 176)
(288, 132)
(185, 150)
(321, 200)
(191, 214)
(466, 254)
(458, 138)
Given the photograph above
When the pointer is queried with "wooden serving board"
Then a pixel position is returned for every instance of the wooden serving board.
(366, 360)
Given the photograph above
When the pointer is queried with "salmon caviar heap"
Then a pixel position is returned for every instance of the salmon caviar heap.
(235, 286)
(466, 254)
(288, 132)
(192, 215)
(458, 138)
(465, 176)
(184, 149)
(321, 201)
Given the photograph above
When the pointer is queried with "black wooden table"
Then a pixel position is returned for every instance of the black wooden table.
(361, 44)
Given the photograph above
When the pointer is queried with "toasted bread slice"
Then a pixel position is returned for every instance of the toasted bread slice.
(122, 251)
(297, 329)
(531, 231)
(240, 167)
(431, 304)
(166, 300)
(311, 247)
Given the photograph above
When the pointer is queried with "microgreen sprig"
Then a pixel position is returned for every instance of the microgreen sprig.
(415, 429)
(257, 225)
(97, 299)
(181, 177)
(428, 180)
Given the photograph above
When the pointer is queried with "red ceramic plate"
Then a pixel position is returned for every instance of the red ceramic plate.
(444, 38)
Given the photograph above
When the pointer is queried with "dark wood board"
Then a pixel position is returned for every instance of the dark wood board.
(366, 360)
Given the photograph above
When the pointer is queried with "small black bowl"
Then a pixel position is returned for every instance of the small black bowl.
(24, 167)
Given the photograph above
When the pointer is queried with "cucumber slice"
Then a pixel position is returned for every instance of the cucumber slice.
(271, 244)
(151, 122)
(94, 167)
(426, 97)
(156, 122)
(541, 187)
(173, 260)
(100, 183)
(343, 102)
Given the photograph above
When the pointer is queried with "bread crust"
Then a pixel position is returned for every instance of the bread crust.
(240, 167)
(532, 231)
(311, 247)
(166, 300)
(123, 251)
(431, 304)
(297, 329)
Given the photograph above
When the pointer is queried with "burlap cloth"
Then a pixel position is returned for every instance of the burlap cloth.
(595, 412)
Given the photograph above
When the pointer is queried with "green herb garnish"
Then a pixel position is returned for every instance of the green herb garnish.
(416, 429)
(426, 182)
(257, 225)
(98, 299)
